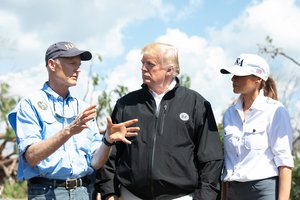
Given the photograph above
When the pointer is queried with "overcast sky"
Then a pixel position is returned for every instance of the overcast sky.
(208, 34)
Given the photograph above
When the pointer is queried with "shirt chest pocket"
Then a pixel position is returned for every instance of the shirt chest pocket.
(231, 138)
(256, 138)
(47, 117)
(50, 125)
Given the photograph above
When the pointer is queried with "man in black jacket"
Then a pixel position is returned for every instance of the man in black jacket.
(178, 153)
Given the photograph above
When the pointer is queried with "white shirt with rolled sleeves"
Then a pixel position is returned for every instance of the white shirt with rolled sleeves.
(256, 146)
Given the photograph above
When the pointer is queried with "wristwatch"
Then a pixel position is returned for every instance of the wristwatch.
(106, 142)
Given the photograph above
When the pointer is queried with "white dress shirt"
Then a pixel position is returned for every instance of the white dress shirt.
(158, 97)
(256, 146)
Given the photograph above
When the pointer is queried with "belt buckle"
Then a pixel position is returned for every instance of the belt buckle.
(71, 183)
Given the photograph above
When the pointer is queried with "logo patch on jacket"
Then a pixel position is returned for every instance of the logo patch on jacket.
(184, 116)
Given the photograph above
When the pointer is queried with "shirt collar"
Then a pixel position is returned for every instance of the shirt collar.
(171, 86)
(258, 103)
(48, 90)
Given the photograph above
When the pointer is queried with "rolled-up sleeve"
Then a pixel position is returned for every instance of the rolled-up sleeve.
(281, 138)
(25, 124)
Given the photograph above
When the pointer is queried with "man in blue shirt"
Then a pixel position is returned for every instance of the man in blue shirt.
(58, 139)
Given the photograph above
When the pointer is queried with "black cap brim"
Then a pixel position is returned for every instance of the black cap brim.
(224, 71)
(84, 55)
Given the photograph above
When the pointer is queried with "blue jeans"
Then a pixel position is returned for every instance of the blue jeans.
(47, 192)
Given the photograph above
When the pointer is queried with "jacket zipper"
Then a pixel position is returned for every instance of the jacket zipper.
(163, 119)
(160, 116)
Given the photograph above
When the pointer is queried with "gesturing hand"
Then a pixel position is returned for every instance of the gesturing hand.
(80, 122)
(119, 132)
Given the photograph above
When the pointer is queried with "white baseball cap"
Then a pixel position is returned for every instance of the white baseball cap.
(249, 64)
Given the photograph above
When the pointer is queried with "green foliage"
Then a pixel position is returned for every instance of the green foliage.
(6, 103)
(220, 130)
(295, 192)
(95, 80)
(105, 102)
(185, 80)
(14, 190)
(104, 107)
(10, 134)
(99, 57)
(120, 90)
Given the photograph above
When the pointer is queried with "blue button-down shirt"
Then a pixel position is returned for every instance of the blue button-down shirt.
(40, 116)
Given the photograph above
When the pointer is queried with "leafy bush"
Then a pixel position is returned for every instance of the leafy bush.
(295, 193)
(14, 190)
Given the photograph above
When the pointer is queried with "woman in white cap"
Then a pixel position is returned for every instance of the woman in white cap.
(257, 135)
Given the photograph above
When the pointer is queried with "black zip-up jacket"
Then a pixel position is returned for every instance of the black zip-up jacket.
(177, 152)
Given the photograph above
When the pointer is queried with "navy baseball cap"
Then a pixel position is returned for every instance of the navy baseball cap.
(66, 50)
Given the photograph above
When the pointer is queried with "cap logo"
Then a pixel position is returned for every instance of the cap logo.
(69, 46)
(258, 71)
(239, 62)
